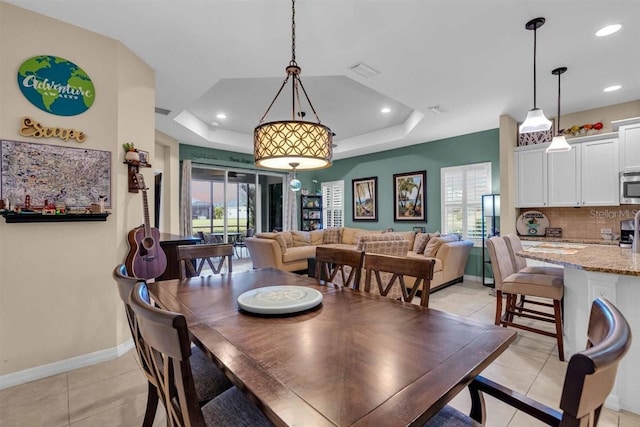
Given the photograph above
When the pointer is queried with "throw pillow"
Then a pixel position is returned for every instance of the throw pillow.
(348, 235)
(332, 235)
(420, 242)
(301, 238)
(288, 238)
(435, 242)
(376, 237)
(316, 237)
(387, 247)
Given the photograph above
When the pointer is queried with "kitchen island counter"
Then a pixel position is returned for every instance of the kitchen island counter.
(599, 271)
(585, 241)
(603, 258)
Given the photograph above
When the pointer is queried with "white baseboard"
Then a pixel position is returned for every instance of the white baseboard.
(43, 371)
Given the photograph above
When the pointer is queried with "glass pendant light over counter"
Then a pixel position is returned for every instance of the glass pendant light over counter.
(535, 121)
(280, 144)
(559, 142)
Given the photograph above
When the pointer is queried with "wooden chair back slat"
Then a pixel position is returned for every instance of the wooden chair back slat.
(168, 348)
(397, 269)
(126, 284)
(333, 261)
(192, 258)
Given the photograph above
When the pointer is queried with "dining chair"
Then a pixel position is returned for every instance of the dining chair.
(209, 380)
(168, 349)
(398, 269)
(239, 243)
(338, 266)
(192, 258)
(511, 284)
(588, 381)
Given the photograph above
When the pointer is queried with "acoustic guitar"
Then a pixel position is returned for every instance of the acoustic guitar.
(146, 259)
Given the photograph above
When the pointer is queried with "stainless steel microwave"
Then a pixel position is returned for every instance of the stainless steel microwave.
(630, 187)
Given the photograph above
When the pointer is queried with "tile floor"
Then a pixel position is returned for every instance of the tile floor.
(113, 394)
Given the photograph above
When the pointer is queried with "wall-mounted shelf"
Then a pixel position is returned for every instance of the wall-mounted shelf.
(134, 168)
(14, 218)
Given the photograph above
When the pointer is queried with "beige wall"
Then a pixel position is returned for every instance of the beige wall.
(508, 141)
(57, 299)
(167, 162)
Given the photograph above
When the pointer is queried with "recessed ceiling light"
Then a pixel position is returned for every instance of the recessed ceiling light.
(385, 110)
(608, 30)
(214, 123)
(221, 115)
(612, 88)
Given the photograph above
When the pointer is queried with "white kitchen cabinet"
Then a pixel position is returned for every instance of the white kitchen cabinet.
(629, 146)
(585, 176)
(599, 177)
(531, 177)
(564, 178)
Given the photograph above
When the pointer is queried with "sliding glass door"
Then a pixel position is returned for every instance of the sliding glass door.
(227, 202)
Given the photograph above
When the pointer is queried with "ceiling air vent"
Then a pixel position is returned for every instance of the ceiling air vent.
(162, 111)
(364, 70)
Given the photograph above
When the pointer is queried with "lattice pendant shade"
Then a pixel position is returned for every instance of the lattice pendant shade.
(278, 144)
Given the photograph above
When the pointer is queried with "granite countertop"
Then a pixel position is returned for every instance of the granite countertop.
(603, 258)
(565, 240)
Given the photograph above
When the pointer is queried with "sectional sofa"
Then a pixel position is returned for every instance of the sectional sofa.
(290, 250)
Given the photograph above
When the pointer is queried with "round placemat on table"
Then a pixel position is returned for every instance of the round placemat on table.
(279, 299)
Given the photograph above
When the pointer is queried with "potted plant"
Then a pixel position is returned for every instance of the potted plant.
(131, 154)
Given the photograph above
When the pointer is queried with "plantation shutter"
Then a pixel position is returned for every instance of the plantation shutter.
(462, 190)
(333, 204)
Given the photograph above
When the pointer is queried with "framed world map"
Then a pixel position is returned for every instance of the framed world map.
(74, 176)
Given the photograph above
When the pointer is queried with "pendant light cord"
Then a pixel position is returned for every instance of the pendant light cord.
(293, 32)
(535, 31)
(293, 71)
(558, 118)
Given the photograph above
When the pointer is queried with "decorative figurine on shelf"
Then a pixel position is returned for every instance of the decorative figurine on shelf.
(131, 154)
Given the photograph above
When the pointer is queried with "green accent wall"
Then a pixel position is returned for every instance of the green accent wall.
(210, 156)
(431, 156)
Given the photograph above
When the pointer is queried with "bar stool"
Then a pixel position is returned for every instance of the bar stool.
(520, 266)
(512, 284)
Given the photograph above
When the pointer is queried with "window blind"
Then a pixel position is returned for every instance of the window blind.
(462, 190)
(333, 204)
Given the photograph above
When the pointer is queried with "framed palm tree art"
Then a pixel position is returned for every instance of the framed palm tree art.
(409, 195)
(365, 199)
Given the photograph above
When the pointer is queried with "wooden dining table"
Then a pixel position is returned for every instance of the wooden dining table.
(357, 359)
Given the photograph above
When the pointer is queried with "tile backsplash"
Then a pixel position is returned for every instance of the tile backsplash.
(585, 223)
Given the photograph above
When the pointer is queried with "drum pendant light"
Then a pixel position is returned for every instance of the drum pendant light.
(280, 144)
(535, 121)
(559, 142)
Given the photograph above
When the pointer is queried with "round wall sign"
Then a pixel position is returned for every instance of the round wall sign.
(56, 85)
(532, 223)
